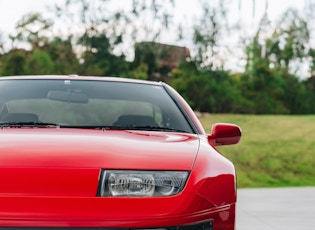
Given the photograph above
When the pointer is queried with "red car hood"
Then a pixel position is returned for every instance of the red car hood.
(109, 149)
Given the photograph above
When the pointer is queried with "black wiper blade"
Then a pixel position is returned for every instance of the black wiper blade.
(101, 127)
(124, 127)
(28, 124)
(165, 129)
(147, 128)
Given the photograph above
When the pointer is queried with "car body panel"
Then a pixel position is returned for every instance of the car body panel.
(113, 149)
(50, 176)
(60, 186)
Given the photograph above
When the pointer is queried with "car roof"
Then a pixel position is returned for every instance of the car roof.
(77, 77)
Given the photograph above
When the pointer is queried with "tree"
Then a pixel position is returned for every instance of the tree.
(139, 20)
(39, 62)
(292, 37)
(207, 91)
(62, 54)
(13, 62)
(147, 53)
(97, 59)
(33, 29)
(207, 34)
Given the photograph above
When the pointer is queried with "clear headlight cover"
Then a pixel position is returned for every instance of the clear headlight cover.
(142, 183)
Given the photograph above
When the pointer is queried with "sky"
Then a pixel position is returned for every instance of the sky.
(12, 10)
(239, 10)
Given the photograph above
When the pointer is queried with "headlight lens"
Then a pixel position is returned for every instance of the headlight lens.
(142, 183)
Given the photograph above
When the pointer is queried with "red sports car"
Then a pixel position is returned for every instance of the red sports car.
(109, 153)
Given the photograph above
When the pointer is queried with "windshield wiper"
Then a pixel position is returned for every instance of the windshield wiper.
(28, 124)
(147, 128)
(101, 127)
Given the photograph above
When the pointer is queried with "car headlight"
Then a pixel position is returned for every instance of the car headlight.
(142, 183)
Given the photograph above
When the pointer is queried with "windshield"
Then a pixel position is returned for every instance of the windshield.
(89, 104)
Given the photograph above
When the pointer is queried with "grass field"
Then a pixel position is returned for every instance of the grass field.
(275, 150)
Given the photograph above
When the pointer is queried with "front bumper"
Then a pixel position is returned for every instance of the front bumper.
(183, 212)
(107, 213)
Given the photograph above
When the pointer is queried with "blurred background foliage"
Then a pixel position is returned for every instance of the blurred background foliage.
(99, 41)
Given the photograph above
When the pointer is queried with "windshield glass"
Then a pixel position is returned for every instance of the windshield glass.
(90, 103)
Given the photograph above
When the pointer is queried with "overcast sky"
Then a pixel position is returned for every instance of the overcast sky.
(12, 10)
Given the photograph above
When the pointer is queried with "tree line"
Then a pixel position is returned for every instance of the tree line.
(95, 38)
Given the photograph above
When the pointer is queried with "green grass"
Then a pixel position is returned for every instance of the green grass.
(275, 150)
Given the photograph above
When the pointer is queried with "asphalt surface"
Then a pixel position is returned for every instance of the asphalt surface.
(276, 209)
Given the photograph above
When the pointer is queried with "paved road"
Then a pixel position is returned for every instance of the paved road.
(276, 209)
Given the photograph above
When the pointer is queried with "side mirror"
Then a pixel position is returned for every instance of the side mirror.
(224, 134)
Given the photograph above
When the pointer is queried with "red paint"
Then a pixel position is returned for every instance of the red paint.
(224, 134)
(50, 176)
